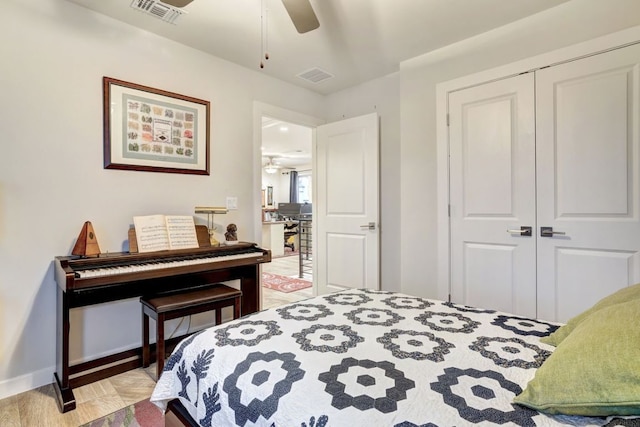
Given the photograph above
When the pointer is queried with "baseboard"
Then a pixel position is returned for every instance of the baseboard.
(26, 382)
(30, 381)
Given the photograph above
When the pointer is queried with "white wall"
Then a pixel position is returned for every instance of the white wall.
(382, 96)
(280, 183)
(54, 55)
(561, 26)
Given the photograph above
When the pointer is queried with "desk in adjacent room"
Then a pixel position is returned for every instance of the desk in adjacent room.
(273, 237)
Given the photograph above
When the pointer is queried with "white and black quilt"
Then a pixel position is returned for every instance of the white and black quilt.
(361, 358)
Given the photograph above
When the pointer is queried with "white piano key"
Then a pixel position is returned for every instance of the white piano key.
(150, 266)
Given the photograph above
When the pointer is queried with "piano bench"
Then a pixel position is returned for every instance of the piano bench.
(171, 306)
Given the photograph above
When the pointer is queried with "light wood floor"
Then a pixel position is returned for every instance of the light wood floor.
(285, 266)
(38, 407)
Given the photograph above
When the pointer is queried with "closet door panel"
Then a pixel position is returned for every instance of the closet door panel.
(490, 287)
(592, 144)
(587, 159)
(492, 191)
(582, 272)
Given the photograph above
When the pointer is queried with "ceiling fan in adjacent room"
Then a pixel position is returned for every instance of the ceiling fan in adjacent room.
(271, 167)
(300, 12)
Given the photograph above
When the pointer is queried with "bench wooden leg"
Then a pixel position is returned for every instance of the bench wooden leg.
(237, 308)
(159, 345)
(145, 340)
(218, 316)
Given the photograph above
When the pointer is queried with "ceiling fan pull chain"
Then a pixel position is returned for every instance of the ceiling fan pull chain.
(266, 30)
(261, 32)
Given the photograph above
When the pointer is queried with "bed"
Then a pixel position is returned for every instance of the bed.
(362, 357)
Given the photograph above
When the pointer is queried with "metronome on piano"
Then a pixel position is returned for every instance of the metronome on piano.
(87, 243)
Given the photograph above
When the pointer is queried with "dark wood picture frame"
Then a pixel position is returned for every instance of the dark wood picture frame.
(153, 130)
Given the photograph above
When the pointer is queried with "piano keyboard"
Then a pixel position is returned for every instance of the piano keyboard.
(134, 268)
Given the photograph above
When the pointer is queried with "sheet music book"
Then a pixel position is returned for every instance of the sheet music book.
(165, 232)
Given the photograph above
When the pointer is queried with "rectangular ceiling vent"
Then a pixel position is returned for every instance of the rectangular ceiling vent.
(315, 75)
(158, 9)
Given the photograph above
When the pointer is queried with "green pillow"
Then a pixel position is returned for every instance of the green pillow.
(595, 371)
(623, 295)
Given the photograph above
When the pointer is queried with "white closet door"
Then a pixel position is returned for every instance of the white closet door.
(587, 127)
(492, 194)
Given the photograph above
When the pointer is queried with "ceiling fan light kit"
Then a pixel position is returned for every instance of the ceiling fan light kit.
(271, 167)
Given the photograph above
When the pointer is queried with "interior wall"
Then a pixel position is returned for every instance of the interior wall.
(564, 25)
(54, 56)
(382, 96)
(51, 177)
(280, 183)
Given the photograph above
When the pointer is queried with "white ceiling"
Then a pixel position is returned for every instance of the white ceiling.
(358, 40)
(287, 145)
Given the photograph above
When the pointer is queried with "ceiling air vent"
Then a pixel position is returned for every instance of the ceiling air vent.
(315, 75)
(158, 9)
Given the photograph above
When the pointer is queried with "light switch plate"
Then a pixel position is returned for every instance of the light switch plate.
(232, 203)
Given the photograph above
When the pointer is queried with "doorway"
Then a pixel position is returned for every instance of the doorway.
(278, 131)
(345, 193)
(287, 182)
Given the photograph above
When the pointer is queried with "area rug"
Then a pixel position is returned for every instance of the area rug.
(141, 414)
(284, 283)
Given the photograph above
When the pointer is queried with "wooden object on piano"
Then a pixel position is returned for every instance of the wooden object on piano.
(201, 231)
(87, 243)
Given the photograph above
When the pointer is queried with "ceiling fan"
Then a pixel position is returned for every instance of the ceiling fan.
(271, 167)
(300, 12)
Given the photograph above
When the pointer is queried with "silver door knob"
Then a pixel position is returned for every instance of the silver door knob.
(548, 232)
(370, 226)
(525, 230)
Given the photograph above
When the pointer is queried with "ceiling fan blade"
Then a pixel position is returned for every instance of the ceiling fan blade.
(177, 3)
(302, 15)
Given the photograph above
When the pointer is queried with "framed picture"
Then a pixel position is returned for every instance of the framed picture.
(147, 129)
(269, 196)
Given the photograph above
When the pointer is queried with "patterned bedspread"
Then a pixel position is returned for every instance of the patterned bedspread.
(361, 358)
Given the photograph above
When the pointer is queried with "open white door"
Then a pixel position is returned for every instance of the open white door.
(346, 211)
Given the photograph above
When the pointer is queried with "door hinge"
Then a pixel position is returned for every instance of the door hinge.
(449, 298)
(447, 119)
(449, 210)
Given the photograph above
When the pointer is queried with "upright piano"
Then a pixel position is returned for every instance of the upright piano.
(118, 276)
